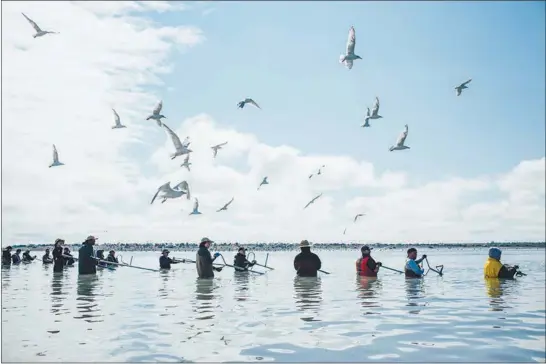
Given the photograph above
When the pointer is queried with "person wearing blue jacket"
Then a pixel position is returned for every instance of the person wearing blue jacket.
(412, 268)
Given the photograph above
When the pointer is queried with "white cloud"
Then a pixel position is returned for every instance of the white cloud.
(60, 89)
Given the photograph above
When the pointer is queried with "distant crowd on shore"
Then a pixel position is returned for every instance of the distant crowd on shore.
(285, 246)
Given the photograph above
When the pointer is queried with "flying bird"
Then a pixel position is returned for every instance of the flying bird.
(183, 186)
(366, 119)
(313, 200)
(375, 110)
(242, 104)
(350, 55)
(226, 205)
(118, 121)
(462, 86)
(195, 208)
(168, 192)
(357, 216)
(186, 162)
(39, 32)
(156, 113)
(400, 142)
(181, 148)
(264, 182)
(216, 147)
(344, 231)
(319, 172)
(55, 158)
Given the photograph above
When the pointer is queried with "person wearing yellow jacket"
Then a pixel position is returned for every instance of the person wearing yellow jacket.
(493, 268)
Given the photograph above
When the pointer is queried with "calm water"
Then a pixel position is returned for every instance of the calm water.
(134, 315)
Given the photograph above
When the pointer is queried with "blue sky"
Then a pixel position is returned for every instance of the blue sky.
(285, 56)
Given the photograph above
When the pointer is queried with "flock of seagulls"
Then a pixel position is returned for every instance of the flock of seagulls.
(166, 192)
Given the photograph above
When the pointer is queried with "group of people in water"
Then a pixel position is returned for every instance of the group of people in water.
(306, 263)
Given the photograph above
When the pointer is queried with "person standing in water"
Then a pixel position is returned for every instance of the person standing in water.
(87, 263)
(16, 258)
(68, 260)
(112, 257)
(366, 265)
(412, 268)
(204, 261)
(306, 264)
(6, 255)
(46, 259)
(165, 262)
(493, 268)
(100, 255)
(27, 258)
(241, 262)
(58, 260)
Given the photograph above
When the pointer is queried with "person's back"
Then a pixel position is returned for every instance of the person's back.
(493, 268)
(6, 256)
(46, 258)
(86, 262)
(306, 263)
(203, 263)
(15, 258)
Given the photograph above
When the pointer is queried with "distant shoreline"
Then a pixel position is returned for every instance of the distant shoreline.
(287, 247)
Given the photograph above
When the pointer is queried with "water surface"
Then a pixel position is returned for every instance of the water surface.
(134, 315)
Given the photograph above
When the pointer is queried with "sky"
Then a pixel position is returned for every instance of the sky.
(475, 170)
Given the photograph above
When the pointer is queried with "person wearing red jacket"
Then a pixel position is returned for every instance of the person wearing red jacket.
(366, 266)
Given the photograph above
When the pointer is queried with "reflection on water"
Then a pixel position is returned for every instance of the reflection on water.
(415, 290)
(368, 289)
(308, 296)
(164, 289)
(204, 298)
(86, 305)
(57, 299)
(241, 281)
(496, 289)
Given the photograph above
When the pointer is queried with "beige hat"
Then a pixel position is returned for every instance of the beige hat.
(91, 237)
(304, 244)
(206, 240)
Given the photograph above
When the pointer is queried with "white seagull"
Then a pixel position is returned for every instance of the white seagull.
(264, 182)
(241, 104)
(168, 192)
(39, 32)
(181, 148)
(156, 113)
(313, 200)
(375, 110)
(350, 55)
(118, 121)
(357, 216)
(216, 147)
(462, 86)
(183, 186)
(400, 142)
(226, 205)
(195, 208)
(186, 163)
(318, 173)
(55, 158)
(366, 119)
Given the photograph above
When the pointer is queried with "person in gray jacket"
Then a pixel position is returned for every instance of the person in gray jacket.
(203, 260)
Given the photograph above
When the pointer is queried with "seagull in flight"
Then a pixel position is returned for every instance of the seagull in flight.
(181, 148)
(357, 216)
(195, 208)
(367, 119)
(156, 113)
(400, 142)
(242, 104)
(39, 32)
(350, 55)
(226, 205)
(313, 200)
(55, 158)
(462, 86)
(264, 182)
(168, 192)
(375, 110)
(186, 162)
(118, 121)
(216, 147)
(183, 186)
(344, 231)
(318, 173)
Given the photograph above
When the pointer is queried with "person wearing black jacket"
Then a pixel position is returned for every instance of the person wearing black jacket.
(46, 258)
(6, 255)
(165, 262)
(204, 261)
(68, 260)
(87, 264)
(16, 258)
(58, 260)
(27, 258)
(241, 262)
(307, 264)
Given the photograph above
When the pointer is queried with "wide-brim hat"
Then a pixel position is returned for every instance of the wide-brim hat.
(206, 240)
(305, 244)
(91, 237)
